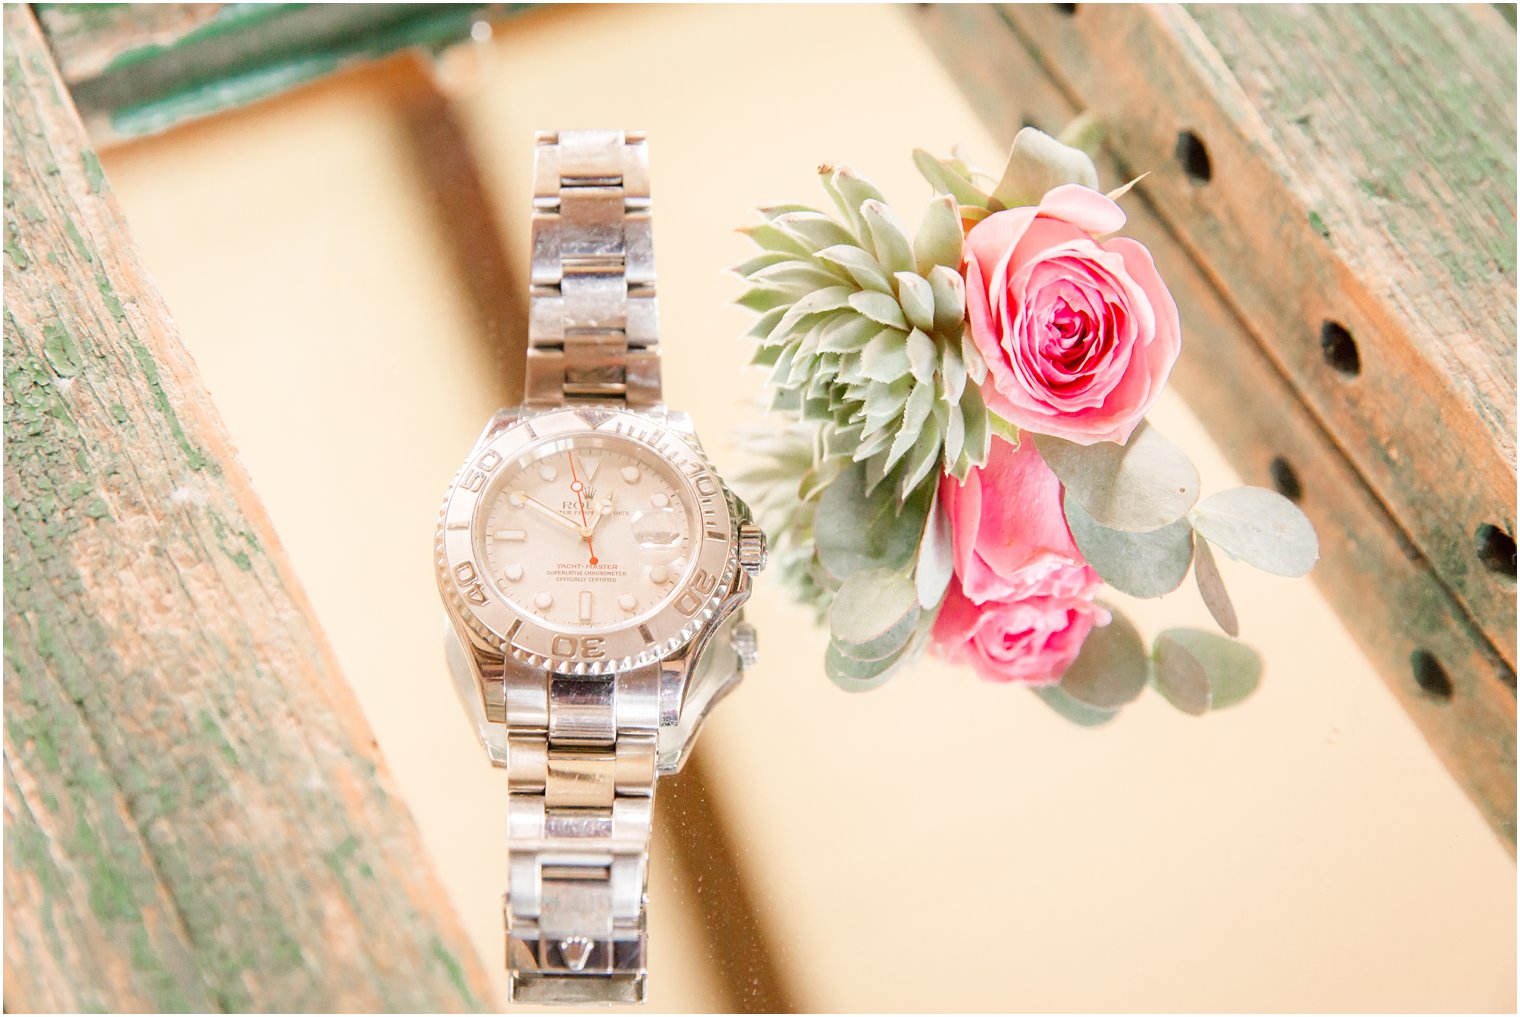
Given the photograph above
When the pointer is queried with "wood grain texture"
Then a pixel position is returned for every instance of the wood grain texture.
(1386, 590)
(196, 816)
(138, 69)
(1363, 173)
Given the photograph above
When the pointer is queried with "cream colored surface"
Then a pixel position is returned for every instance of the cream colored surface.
(940, 844)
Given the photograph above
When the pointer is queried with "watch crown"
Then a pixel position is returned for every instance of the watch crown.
(752, 552)
(746, 643)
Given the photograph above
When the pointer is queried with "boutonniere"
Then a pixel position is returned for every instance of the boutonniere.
(964, 461)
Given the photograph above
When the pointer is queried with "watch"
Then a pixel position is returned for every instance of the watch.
(593, 566)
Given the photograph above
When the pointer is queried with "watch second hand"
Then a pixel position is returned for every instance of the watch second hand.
(578, 488)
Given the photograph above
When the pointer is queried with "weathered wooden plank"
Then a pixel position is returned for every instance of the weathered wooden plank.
(1359, 212)
(196, 817)
(1388, 595)
(137, 69)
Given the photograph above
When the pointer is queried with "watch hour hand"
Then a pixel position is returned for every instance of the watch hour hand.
(603, 506)
(539, 506)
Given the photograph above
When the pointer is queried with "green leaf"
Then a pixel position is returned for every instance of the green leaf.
(772, 238)
(818, 302)
(1003, 429)
(853, 190)
(946, 180)
(856, 675)
(1112, 668)
(1143, 485)
(884, 402)
(1197, 671)
(1140, 564)
(814, 230)
(915, 412)
(923, 358)
(854, 531)
(860, 266)
(772, 211)
(939, 239)
(1260, 527)
(889, 238)
(976, 367)
(765, 259)
(874, 615)
(1072, 709)
(796, 277)
(848, 333)
(936, 557)
(917, 299)
(949, 291)
(757, 299)
(978, 434)
(885, 358)
(1211, 586)
(952, 372)
(879, 308)
(1084, 131)
(921, 460)
(1038, 163)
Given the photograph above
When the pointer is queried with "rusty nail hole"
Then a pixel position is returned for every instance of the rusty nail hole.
(1285, 480)
(1194, 157)
(1430, 676)
(1339, 348)
(1496, 550)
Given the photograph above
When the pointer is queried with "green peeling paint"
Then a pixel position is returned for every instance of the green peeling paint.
(58, 346)
(1317, 224)
(94, 174)
(195, 457)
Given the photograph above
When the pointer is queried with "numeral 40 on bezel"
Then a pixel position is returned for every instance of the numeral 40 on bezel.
(469, 582)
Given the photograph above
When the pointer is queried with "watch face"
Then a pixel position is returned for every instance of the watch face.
(587, 533)
(585, 541)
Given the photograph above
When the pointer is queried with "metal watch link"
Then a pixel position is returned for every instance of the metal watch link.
(593, 566)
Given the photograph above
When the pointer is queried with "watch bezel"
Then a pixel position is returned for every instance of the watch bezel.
(500, 623)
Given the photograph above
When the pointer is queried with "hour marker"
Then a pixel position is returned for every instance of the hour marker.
(659, 575)
(515, 499)
(547, 471)
(659, 501)
(627, 602)
(513, 573)
(631, 474)
(511, 534)
(585, 605)
(591, 465)
(543, 601)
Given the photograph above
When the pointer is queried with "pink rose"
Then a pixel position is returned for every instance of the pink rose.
(1021, 603)
(1031, 639)
(1004, 518)
(1079, 334)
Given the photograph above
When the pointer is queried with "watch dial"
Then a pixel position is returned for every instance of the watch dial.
(586, 534)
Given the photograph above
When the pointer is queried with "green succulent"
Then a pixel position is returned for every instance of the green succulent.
(864, 332)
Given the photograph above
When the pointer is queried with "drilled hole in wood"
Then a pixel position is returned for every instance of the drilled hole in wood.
(1285, 480)
(1430, 676)
(1496, 550)
(1066, 9)
(1339, 348)
(1028, 122)
(1194, 157)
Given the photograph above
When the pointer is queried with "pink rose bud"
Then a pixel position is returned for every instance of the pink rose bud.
(1079, 334)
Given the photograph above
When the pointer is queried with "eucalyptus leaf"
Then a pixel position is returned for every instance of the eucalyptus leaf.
(1211, 587)
(1259, 527)
(874, 614)
(1140, 564)
(1142, 485)
(1038, 163)
(939, 239)
(889, 238)
(936, 557)
(854, 531)
(1233, 668)
(943, 178)
(859, 676)
(1112, 668)
(1180, 678)
(1072, 709)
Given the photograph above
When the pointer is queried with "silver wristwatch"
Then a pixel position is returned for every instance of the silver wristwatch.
(593, 565)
